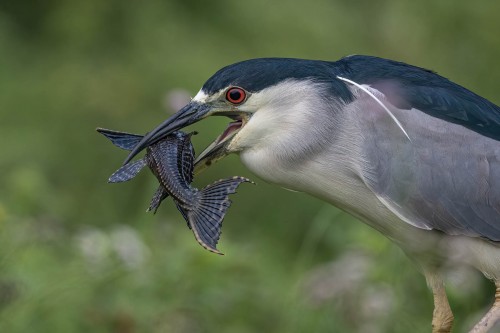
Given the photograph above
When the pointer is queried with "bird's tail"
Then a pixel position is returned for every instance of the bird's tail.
(205, 218)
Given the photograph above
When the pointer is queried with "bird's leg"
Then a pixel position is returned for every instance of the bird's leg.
(442, 317)
(491, 317)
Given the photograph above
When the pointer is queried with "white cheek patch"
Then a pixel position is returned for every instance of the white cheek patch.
(200, 97)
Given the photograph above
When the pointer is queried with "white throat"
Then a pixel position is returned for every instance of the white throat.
(290, 133)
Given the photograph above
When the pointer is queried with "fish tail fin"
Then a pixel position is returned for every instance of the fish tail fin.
(205, 218)
(122, 140)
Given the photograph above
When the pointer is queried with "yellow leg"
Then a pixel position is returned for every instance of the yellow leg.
(442, 317)
(491, 317)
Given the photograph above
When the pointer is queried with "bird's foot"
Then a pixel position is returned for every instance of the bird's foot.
(442, 320)
(442, 317)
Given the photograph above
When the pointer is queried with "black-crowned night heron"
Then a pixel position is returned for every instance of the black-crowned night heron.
(410, 153)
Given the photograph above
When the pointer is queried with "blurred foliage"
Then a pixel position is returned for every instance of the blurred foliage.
(79, 255)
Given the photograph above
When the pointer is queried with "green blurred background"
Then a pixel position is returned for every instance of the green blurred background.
(80, 255)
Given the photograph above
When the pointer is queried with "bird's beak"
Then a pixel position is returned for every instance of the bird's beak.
(221, 146)
(214, 152)
(186, 116)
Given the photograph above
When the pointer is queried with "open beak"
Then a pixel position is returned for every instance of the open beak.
(186, 116)
(219, 148)
(190, 114)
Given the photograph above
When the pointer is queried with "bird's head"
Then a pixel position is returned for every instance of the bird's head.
(262, 97)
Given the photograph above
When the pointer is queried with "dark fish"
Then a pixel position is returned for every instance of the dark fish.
(172, 162)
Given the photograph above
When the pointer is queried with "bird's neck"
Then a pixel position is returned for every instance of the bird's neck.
(322, 160)
(314, 153)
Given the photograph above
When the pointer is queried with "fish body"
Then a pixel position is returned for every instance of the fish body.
(171, 160)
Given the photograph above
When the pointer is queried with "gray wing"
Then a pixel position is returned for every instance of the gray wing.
(446, 178)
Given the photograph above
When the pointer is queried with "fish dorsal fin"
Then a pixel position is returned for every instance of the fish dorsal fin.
(186, 162)
(127, 172)
(122, 140)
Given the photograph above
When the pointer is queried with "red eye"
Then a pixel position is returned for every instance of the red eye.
(236, 95)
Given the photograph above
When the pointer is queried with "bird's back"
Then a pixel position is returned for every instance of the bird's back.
(447, 176)
(406, 87)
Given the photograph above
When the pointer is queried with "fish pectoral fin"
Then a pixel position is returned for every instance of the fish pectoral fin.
(206, 216)
(127, 172)
(122, 140)
(160, 195)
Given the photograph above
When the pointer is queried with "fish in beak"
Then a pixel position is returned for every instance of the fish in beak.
(192, 113)
(186, 116)
(171, 161)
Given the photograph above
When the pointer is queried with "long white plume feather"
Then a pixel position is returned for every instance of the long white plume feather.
(378, 101)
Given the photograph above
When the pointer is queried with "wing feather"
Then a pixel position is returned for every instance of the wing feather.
(446, 178)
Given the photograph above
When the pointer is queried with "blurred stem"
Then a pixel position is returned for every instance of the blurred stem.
(317, 230)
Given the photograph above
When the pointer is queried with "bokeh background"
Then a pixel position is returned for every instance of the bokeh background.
(79, 255)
